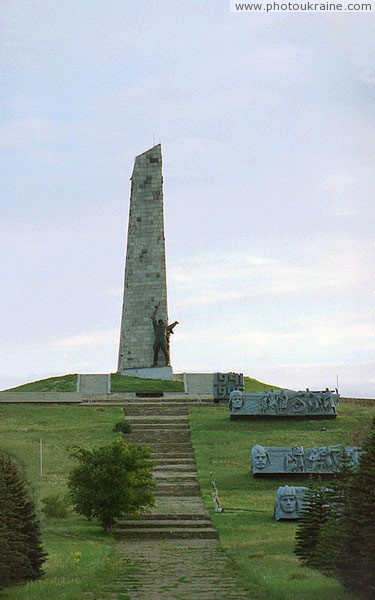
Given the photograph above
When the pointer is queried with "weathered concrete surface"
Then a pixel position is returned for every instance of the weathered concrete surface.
(173, 553)
(40, 397)
(93, 383)
(180, 569)
(198, 383)
(164, 373)
(115, 398)
(145, 271)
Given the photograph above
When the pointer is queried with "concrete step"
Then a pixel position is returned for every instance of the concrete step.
(158, 523)
(182, 461)
(157, 418)
(177, 491)
(179, 479)
(161, 437)
(157, 411)
(174, 458)
(172, 474)
(172, 443)
(183, 516)
(164, 483)
(157, 427)
(173, 533)
(161, 402)
(180, 434)
(185, 461)
(174, 468)
(172, 454)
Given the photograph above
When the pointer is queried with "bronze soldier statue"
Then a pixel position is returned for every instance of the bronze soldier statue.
(162, 335)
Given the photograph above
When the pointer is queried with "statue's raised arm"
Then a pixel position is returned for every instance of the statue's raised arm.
(156, 308)
(171, 327)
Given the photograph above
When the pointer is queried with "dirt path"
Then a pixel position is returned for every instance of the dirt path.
(173, 553)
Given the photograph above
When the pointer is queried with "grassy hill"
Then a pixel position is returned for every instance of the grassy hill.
(61, 383)
(253, 385)
(120, 383)
(260, 547)
(60, 428)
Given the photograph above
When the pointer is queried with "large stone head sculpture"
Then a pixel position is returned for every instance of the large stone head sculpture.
(259, 458)
(288, 502)
(236, 399)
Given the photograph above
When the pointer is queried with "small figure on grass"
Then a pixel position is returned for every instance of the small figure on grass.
(215, 497)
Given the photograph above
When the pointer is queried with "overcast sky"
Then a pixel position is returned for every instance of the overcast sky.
(267, 126)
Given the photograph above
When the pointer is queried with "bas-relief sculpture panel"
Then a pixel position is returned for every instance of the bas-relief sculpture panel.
(283, 403)
(268, 461)
(225, 383)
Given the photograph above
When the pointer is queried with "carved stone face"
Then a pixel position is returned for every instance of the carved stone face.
(259, 458)
(288, 504)
(236, 398)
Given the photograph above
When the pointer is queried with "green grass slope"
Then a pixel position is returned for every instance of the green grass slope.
(253, 385)
(121, 383)
(262, 548)
(68, 575)
(61, 383)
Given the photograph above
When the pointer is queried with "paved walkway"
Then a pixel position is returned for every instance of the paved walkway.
(173, 553)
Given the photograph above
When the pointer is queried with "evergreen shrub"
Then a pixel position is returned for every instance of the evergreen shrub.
(22, 554)
(123, 427)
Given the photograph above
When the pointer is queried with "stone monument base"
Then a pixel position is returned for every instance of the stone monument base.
(165, 373)
(290, 417)
(296, 476)
(198, 383)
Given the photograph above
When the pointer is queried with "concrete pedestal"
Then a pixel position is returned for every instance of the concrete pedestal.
(165, 373)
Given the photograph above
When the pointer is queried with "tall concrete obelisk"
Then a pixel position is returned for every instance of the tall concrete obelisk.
(145, 272)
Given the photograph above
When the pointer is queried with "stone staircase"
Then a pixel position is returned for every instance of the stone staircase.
(172, 553)
(163, 425)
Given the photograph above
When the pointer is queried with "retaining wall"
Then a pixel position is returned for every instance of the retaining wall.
(94, 383)
(365, 401)
(198, 383)
(40, 397)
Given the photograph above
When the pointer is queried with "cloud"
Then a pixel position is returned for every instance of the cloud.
(208, 279)
(97, 338)
(268, 139)
(115, 292)
(311, 333)
(353, 378)
(367, 76)
(28, 132)
(338, 189)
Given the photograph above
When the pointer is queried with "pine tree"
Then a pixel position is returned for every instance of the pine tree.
(336, 533)
(357, 564)
(22, 552)
(312, 518)
(329, 548)
(10, 556)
